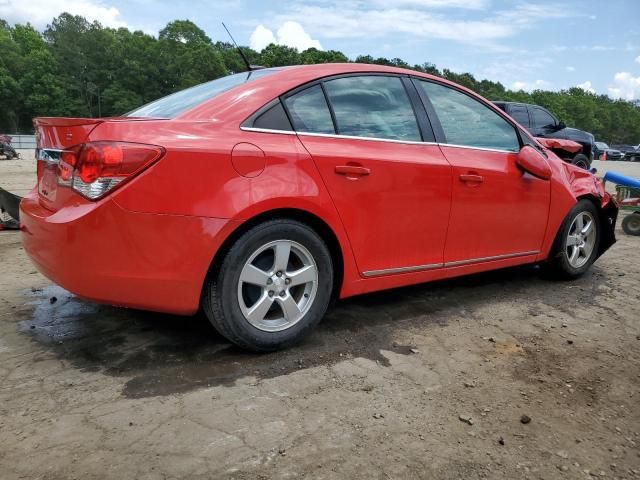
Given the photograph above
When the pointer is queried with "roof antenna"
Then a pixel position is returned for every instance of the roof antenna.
(250, 67)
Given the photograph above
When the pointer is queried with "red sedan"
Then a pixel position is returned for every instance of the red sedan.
(263, 195)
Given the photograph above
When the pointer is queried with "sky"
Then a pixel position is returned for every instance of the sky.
(540, 44)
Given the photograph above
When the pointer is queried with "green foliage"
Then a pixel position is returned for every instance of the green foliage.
(79, 68)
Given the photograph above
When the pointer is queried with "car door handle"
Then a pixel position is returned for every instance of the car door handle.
(471, 178)
(352, 170)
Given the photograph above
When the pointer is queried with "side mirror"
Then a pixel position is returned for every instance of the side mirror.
(532, 161)
(561, 125)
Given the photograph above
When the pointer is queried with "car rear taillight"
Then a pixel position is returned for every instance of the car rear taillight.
(94, 169)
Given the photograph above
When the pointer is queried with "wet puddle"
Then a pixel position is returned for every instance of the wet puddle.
(163, 354)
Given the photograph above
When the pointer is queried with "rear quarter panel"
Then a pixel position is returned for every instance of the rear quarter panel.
(196, 177)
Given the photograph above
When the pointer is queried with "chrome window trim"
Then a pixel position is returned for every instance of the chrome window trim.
(333, 135)
(371, 139)
(457, 263)
(485, 149)
(505, 256)
(267, 130)
(415, 268)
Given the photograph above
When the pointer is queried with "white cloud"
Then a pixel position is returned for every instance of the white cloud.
(602, 48)
(372, 19)
(570, 68)
(467, 4)
(293, 35)
(530, 86)
(638, 59)
(625, 86)
(525, 14)
(40, 12)
(587, 87)
(290, 33)
(261, 37)
(338, 21)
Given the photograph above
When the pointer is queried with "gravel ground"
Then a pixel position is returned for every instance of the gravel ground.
(432, 381)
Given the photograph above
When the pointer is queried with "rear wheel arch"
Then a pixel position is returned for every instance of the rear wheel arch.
(317, 224)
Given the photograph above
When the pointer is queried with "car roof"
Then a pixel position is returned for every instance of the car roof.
(258, 92)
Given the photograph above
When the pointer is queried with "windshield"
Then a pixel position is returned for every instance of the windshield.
(602, 145)
(173, 105)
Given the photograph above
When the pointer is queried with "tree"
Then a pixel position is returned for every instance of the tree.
(313, 56)
(232, 59)
(279, 55)
(80, 68)
(187, 56)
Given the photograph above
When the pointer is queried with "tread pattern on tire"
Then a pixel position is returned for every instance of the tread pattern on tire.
(557, 264)
(212, 301)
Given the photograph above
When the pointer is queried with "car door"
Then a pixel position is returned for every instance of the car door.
(391, 188)
(497, 211)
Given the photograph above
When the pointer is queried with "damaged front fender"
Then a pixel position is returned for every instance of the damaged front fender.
(585, 184)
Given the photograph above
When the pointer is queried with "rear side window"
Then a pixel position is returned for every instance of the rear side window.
(468, 122)
(309, 111)
(274, 118)
(372, 106)
(173, 105)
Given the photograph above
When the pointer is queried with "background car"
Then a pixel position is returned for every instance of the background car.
(261, 196)
(631, 152)
(602, 148)
(542, 123)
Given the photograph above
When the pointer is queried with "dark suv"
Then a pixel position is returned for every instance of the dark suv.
(542, 123)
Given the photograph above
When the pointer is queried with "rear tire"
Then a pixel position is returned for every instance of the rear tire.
(272, 287)
(582, 161)
(576, 245)
(631, 224)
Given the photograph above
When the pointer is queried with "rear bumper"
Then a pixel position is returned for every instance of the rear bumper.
(102, 252)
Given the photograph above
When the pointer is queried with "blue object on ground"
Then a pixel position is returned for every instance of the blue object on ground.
(620, 179)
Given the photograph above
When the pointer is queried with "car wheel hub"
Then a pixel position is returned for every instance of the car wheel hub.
(581, 239)
(277, 285)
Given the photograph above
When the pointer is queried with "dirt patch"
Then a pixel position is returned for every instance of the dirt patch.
(95, 392)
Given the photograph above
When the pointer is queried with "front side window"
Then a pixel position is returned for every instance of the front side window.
(467, 122)
(309, 111)
(543, 118)
(372, 106)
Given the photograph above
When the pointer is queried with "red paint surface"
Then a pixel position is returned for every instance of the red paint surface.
(150, 243)
(559, 143)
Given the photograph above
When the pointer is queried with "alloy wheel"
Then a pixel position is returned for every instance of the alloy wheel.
(277, 285)
(581, 239)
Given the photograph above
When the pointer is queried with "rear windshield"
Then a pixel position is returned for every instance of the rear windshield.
(173, 105)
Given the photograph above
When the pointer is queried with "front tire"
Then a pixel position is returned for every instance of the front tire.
(272, 287)
(582, 161)
(576, 245)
